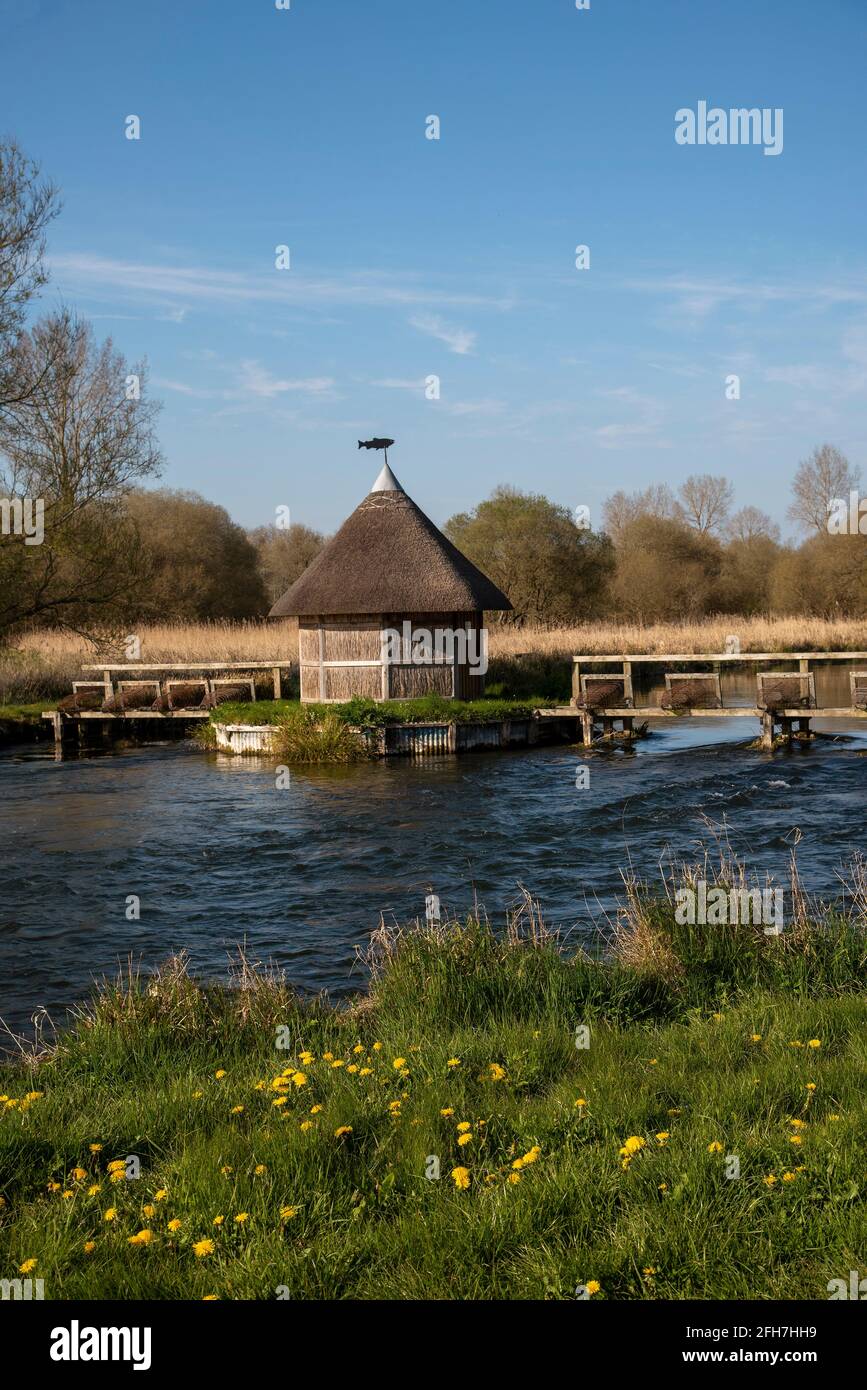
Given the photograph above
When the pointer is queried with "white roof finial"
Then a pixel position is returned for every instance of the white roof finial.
(386, 482)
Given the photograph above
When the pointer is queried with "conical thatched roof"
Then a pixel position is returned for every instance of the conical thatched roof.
(388, 557)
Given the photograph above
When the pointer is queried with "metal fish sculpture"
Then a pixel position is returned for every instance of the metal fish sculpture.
(375, 443)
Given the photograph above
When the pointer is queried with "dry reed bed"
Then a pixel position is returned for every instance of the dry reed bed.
(44, 663)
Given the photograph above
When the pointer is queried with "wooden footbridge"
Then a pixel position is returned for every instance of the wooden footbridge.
(603, 706)
(785, 695)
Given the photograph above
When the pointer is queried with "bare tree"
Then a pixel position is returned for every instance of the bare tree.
(82, 437)
(705, 502)
(284, 554)
(27, 205)
(826, 474)
(622, 508)
(750, 523)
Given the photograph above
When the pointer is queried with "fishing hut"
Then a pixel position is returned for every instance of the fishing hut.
(389, 609)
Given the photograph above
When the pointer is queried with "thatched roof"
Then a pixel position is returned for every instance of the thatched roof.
(388, 557)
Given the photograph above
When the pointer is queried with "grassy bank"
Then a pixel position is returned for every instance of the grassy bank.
(21, 722)
(368, 714)
(288, 1145)
(525, 661)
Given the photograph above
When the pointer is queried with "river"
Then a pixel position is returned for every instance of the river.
(217, 853)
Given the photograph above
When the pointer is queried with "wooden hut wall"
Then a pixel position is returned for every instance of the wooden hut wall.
(341, 657)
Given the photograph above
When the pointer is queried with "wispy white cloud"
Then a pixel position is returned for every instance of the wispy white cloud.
(393, 383)
(181, 284)
(258, 381)
(459, 340)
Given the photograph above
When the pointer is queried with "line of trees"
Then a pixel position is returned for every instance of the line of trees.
(660, 554)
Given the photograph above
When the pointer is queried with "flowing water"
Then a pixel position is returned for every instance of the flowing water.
(218, 854)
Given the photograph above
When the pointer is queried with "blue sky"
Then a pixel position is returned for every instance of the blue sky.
(412, 257)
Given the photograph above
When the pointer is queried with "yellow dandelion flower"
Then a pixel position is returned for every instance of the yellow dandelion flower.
(633, 1145)
(496, 1072)
(117, 1165)
(95, 1148)
(448, 1111)
(242, 1217)
(89, 1247)
(366, 1071)
(109, 1214)
(143, 1237)
(315, 1109)
(210, 1297)
(663, 1136)
(79, 1174)
(236, 1109)
(815, 1042)
(593, 1286)
(461, 1178)
(287, 1213)
(338, 1062)
(398, 1063)
(175, 1224)
(93, 1189)
(352, 1067)
(795, 1139)
(514, 1177)
(580, 1104)
(377, 1047)
(27, 1266)
(769, 1180)
(756, 1037)
(453, 1062)
(464, 1126)
(220, 1074)
(162, 1194)
(715, 1147)
(327, 1056)
(280, 1100)
(789, 1177)
(149, 1210)
(341, 1130)
(810, 1086)
(305, 1125)
(202, 1248)
(67, 1195)
(465, 1138)
(218, 1220)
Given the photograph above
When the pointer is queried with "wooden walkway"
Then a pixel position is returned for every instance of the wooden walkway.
(704, 701)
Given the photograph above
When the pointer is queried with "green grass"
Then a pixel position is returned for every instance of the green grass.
(687, 1040)
(374, 714)
(23, 714)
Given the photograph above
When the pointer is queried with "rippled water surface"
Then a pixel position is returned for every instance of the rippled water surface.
(218, 854)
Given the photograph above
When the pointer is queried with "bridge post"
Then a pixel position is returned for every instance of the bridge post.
(767, 729)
